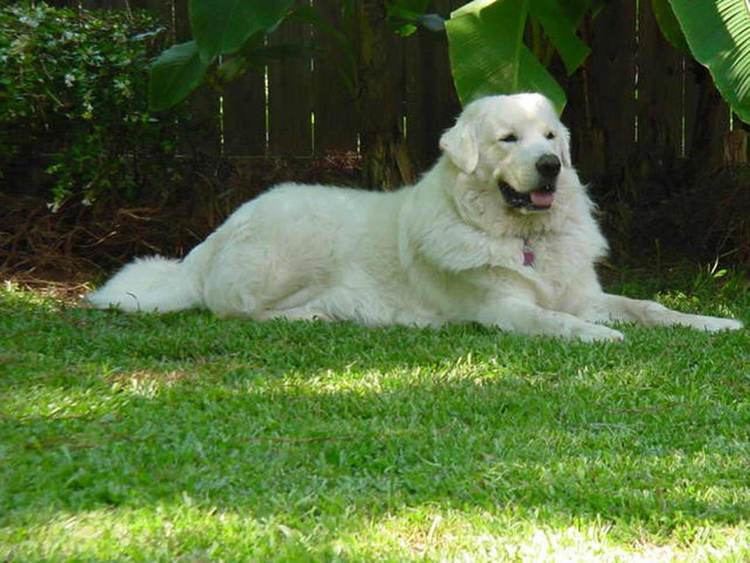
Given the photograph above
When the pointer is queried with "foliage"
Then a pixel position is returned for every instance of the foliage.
(496, 46)
(230, 37)
(480, 63)
(177, 72)
(73, 85)
(718, 34)
(489, 53)
(406, 16)
(189, 438)
(668, 24)
(225, 28)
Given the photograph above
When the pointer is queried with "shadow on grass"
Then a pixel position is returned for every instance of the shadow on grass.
(302, 423)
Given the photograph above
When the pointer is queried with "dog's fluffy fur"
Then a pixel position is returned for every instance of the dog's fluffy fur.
(452, 248)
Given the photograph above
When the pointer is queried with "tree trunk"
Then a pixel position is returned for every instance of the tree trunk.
(387, 164)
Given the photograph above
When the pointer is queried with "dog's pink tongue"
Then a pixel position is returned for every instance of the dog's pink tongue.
(542, 199)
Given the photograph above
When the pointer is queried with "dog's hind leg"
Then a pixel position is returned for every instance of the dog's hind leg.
(608, 307)
(250, 280)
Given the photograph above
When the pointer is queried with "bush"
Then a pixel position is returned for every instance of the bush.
(73, 88)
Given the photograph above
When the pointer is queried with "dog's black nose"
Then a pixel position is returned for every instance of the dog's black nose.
(548, 166)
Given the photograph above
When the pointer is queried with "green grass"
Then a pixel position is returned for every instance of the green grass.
(184, 437)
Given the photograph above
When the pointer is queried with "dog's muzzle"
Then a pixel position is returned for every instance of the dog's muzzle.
(540, 199)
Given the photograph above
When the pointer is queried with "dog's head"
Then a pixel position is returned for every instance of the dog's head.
(514, 143)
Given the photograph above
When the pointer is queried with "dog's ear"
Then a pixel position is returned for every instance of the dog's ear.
(460, 144)
(564, 137)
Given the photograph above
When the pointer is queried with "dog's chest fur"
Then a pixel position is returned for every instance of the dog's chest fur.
(558, 263)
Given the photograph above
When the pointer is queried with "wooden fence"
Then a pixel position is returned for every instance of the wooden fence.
(636, 95)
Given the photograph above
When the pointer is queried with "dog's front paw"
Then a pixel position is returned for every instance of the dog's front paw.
(598, 333)
(717, 324)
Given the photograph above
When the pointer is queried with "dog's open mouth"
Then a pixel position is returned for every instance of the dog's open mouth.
(539, 199)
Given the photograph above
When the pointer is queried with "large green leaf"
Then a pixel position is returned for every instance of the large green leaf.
(405, 17)
(174, 74)
(562, 32)
(221, 27)
(574, 10)
(718, 34)
(488, 55)
(668, 24)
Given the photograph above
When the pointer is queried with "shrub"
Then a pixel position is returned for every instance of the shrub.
(73, 87)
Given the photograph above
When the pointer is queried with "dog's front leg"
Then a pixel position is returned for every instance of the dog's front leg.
(608, 307)
(518, 315)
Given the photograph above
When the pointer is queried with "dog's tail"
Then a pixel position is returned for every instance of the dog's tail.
(152, 284)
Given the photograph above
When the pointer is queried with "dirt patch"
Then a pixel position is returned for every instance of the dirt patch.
(61, 251)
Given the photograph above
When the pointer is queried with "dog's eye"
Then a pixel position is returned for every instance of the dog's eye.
(550, 135)
(510, 138)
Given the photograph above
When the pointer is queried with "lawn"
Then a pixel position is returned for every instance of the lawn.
(184, 437)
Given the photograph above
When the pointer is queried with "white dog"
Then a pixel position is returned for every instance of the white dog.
(499, 232)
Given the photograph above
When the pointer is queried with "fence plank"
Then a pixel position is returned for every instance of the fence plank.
(660, 89)
(415, 120)
(676, 103)
(334, 104)
(612, 82)
(161, 8)
(244, 116)
(203, 132)
(290, 98)
(431, 101)
(586, 139)
(181, 21)
(691, 96)
(706, 117)
(100, 4)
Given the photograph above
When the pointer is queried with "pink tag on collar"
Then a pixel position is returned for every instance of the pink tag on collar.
(528, 254)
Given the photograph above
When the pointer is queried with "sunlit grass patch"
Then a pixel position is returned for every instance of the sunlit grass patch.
(184, 436)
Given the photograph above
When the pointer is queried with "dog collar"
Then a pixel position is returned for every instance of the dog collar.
(528, 253)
